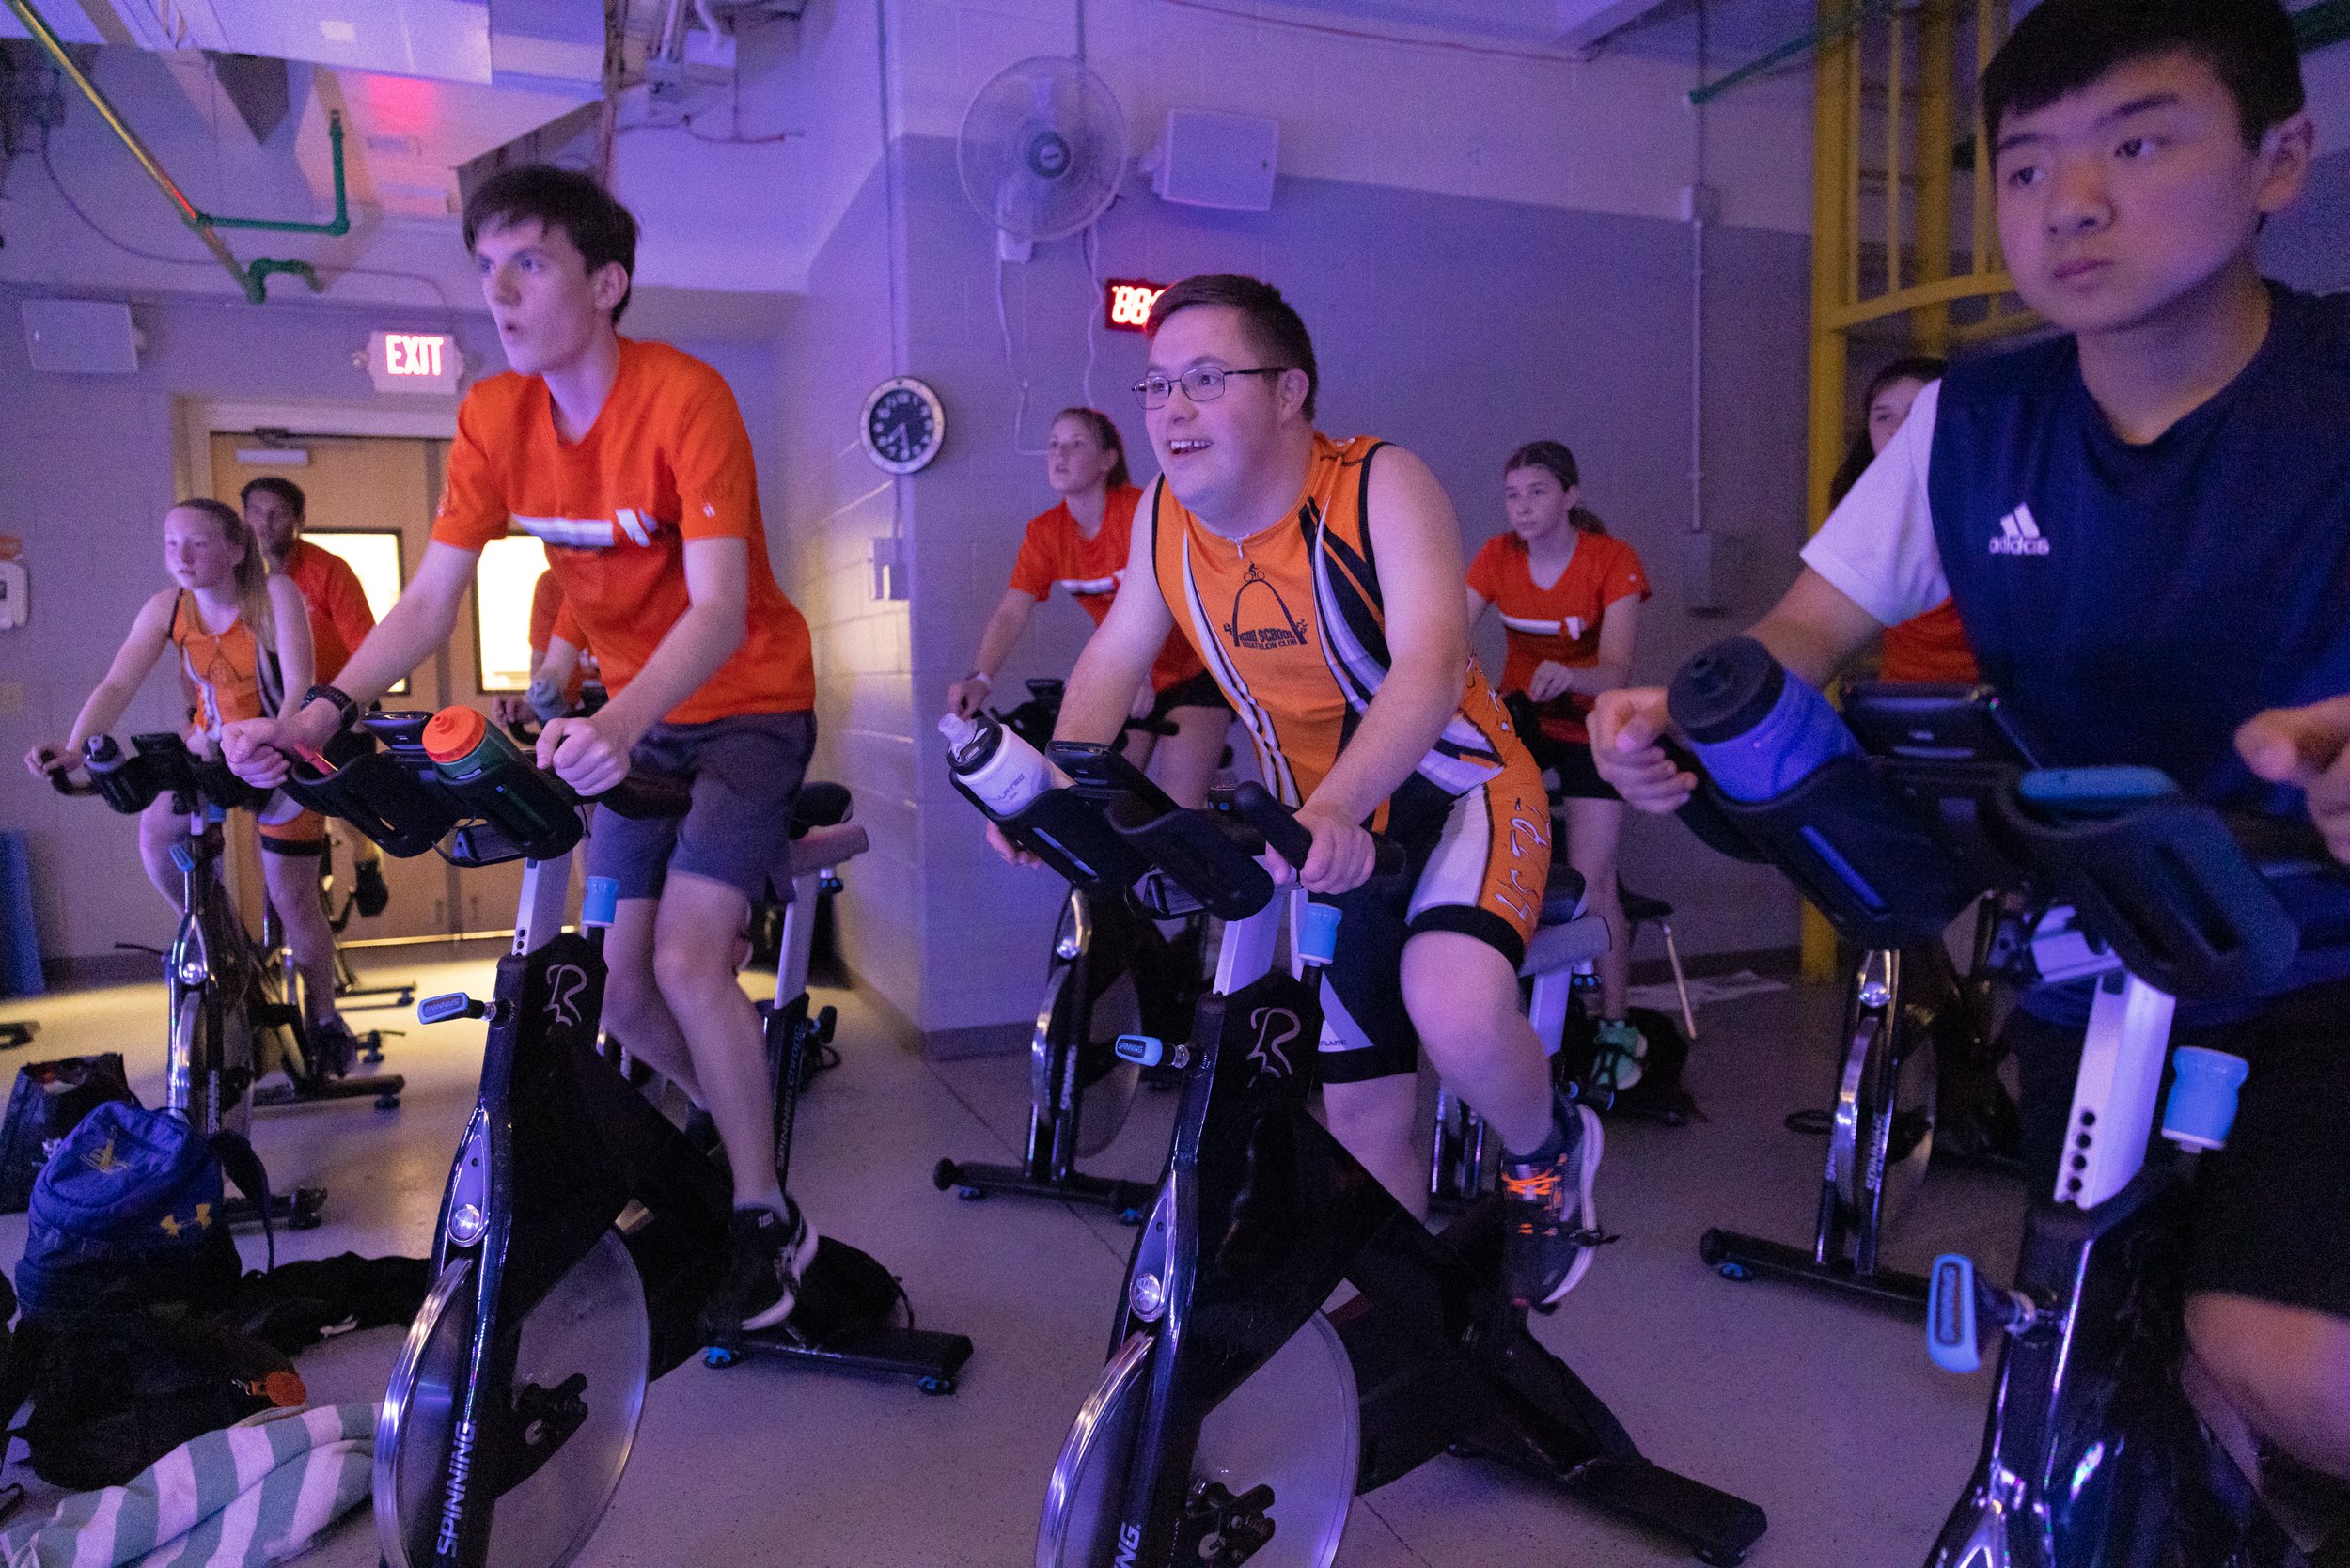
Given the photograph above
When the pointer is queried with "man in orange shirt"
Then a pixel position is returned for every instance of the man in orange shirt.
(629, 461)
(276, 510)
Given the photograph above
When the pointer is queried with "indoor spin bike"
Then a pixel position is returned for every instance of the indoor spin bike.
(581, 1232)
(2092, 1455)
(1902, 997)
(1237, 1421)
(1109, 967)
(223, 990)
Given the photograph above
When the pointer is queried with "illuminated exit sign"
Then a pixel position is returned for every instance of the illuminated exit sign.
(414, 362)
(1127, 303)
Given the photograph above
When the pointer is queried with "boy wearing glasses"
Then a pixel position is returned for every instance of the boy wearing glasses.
(1320, 583)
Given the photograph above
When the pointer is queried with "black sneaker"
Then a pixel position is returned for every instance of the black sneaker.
(367, 890)
(334, 1049)
(766, 1254)
(1552, 1226)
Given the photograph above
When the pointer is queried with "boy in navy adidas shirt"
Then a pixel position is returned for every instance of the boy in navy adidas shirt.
(2145, 525)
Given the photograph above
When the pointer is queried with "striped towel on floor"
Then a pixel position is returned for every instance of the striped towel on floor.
(245, 1496)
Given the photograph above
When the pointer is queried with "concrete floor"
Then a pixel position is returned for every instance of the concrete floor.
(1825, 1412)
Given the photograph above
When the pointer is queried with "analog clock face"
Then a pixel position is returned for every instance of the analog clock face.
(902, 425)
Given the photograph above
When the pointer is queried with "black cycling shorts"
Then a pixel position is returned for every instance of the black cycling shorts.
(1193, 691)
(1571, 761)
(2271, 1216)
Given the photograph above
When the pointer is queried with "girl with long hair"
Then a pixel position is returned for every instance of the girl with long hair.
(1079, 543)
(1569, 594)
(241, 639)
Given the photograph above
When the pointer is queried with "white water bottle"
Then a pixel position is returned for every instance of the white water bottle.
(1004, 771)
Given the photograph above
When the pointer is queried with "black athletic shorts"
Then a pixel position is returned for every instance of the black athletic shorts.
(2272, 1210)
(1193, 691)
(1571, 761)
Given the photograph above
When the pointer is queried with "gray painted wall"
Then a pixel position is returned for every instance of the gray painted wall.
(2307, 244)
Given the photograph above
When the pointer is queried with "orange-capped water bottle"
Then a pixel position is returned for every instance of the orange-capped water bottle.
(502, 783)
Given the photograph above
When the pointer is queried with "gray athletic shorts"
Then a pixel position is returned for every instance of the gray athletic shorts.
(745, 773)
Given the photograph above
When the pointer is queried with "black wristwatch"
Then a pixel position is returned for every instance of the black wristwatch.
(347, 710)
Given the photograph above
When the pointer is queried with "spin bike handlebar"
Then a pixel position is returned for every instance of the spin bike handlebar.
(1892, 843)
(159, 764)
(488, 805)
(1116, 834)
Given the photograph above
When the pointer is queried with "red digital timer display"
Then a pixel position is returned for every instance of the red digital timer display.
(1127, 303)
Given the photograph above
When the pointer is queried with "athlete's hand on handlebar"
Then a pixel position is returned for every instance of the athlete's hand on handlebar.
(1013, 855)
(588, 754)
(2309, 747)
(512, 708)
(45, 759)
(1628, 726)
(261, 751)
(1344, 857)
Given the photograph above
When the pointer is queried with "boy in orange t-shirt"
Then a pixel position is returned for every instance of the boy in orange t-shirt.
(629, 461)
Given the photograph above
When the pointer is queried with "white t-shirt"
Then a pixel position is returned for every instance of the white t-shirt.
(1877, 547)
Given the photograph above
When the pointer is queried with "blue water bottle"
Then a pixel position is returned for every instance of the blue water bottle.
(1759, 731)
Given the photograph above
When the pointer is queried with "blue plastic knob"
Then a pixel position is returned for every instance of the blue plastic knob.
(1317, 934)
(1143, 1050)
(2201, 1106)
(1950, 1314)
(599, 901)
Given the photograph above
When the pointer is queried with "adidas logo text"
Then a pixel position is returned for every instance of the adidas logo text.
(2019, 535)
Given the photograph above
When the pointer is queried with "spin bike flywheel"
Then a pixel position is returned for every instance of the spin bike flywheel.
(1291, 1426)
(1888, 1074)
(591, 1326)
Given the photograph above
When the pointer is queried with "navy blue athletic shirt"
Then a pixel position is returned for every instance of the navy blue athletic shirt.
(2138, 603)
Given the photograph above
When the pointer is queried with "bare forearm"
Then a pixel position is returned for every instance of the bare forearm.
(1802, 649)
(702, 639)
(1592, 680)
(1003, 634)
(409, 633)
(1413, 706)
(1101, 693)
(98, 714)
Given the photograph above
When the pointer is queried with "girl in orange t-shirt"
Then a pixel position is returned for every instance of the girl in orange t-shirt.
(1569, 595)
(243, 637)
(1931, 646)
(1080, 543)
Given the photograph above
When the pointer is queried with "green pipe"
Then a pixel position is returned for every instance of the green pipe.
(1827, 32)
(341, 222)
(252, 281)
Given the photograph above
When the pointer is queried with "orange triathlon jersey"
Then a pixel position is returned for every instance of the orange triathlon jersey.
(1053, 554)
(339, 618)
(666, 462)
(231, 678)
(1292, 622)
(1931, 646)
(1558, 623)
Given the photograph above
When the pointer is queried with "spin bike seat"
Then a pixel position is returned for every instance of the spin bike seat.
(819, 806)
(1566, 937)
(1562, 896)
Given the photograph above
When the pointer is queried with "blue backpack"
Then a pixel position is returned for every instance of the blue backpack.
(129, 1214)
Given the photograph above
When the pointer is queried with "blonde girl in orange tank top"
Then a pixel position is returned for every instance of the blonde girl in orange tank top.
(242, 640)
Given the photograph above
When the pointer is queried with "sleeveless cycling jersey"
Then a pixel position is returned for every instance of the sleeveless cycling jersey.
(1291, 622)
(230, 674)
(2136, 603)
